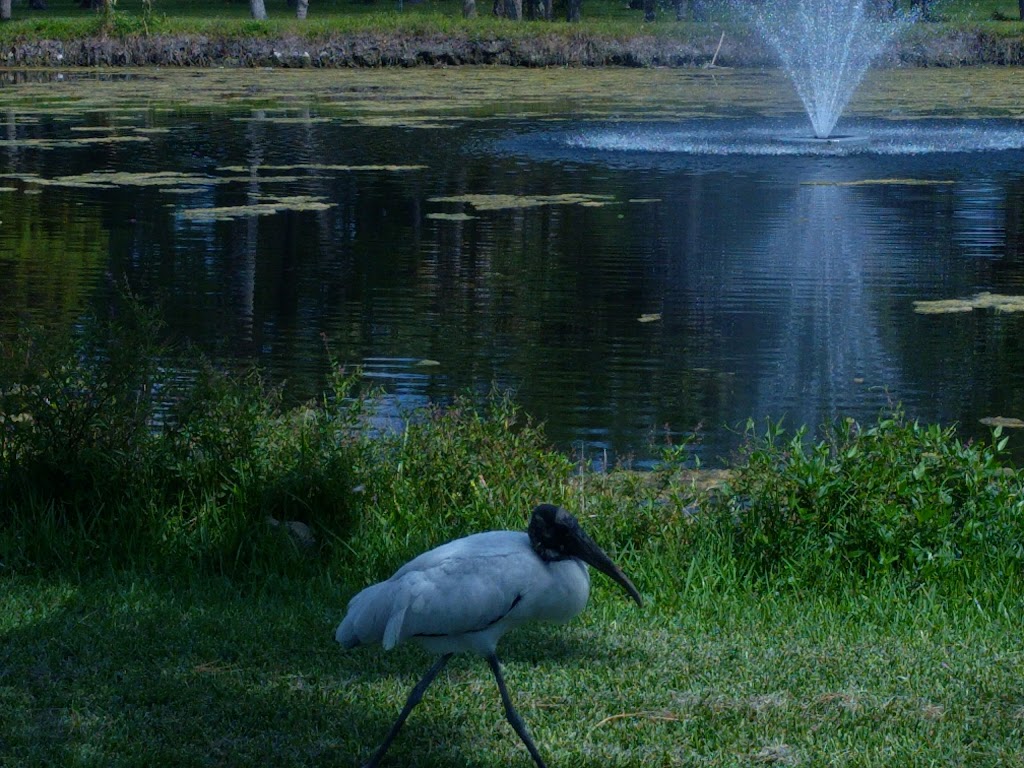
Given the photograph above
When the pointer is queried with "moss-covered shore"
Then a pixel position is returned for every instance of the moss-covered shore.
(932, 45)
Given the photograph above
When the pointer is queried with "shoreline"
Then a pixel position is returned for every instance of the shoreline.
(925, 48)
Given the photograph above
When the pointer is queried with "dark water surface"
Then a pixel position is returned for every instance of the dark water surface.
(699, 273)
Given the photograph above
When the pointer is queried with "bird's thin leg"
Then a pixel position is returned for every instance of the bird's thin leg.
(510, 712)
(414, 698)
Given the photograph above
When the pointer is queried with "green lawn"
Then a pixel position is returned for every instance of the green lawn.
(128, 669)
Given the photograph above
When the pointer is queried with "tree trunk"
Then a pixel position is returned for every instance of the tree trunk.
(258, 10)
(1020, 9)
(514, 9)
(301, 9)
(648, 10)
(573, 13)
(5, 10)
(548, 4)
(469, 9)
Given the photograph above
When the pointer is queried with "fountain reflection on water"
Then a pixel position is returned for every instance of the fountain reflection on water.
(826, 47)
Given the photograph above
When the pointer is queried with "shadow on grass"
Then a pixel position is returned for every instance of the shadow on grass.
(120, 671)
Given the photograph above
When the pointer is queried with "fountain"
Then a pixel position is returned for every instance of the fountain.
(826, 47)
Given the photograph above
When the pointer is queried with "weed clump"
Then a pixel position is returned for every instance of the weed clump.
(893, 497)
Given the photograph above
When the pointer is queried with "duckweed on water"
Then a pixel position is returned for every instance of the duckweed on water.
(878, 182)
(1008, 422)
(114, 179)
(320, 167)
(451, 216)
(268, 208)
(85, 141)
(985, 300)
(505, 202)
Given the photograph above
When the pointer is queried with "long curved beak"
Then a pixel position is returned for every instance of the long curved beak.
(586, 549)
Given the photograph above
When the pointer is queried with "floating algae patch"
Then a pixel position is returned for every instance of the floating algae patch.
(428, 97)
(267, 208)
(283, 120)
(879, 182)
(1002, 421)
(451, 216)
(114, 179)
(507, 202)
(998, 302)
(84, 141)
(96, 128)
(402, 121)
(320, 167)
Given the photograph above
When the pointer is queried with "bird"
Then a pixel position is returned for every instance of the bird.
(463, 596)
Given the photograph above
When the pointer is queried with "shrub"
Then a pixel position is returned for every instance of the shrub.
(895, 496)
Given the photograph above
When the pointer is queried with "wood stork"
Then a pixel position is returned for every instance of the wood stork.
(466, 594)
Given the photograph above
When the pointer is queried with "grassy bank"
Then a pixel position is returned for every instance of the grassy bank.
(341, 33)
(850, 598)
(131, 669)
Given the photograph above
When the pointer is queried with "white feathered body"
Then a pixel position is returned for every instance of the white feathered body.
(466, 594)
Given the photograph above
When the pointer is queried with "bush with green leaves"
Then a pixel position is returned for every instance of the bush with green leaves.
(896, 496)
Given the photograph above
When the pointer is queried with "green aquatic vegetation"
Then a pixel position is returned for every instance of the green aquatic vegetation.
(268, 207)
(498, 202)
(283, 120)
(83, 141)
(984, 300)
(443, 96)
(114, 179)
(450, 216)
(1007, 422)
(320, 167)
(881, 182)
(96, 128)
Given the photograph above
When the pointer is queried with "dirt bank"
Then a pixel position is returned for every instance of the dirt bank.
(931, 47)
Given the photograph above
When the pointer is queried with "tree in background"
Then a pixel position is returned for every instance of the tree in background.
(257, 10)
(5, 10)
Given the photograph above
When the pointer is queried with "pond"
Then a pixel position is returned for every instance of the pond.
(634, 254)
